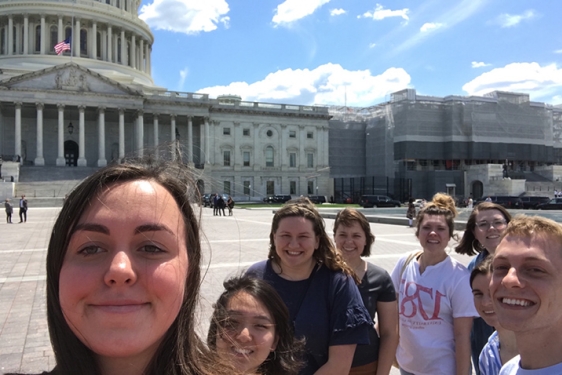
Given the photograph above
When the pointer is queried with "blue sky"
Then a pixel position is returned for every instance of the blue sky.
(356, 52)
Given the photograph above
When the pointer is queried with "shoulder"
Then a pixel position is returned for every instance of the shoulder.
(258, 269)
(376, 273)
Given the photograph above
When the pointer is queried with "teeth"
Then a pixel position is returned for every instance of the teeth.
(294, 252)
(242, 351)
(516, 302)
(433, 241)
(489, 312)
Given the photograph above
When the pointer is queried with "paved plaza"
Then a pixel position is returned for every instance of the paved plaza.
(230, 245)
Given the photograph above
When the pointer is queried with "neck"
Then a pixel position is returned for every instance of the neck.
(292, 273)
(358, 266)
(120, 366)
(508, 344)
(539, 349)
(430, 259)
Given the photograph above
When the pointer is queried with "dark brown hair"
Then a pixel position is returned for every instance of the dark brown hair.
(347, 217)
(482, 268)
(326, 253)
(181, 351)
(286, 359)
(468, 244)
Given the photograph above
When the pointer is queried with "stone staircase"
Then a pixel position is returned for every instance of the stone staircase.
(47, 186)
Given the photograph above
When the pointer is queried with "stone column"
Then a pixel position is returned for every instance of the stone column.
(283, 153)
(82, 162)
(155, 128)
(109, 37)
(39, 159)
(235, 140)
(190, 139)
(18, 38)
(207, 142)
(133, 51)
(302, 143)
(10, 45)
(255, 153)
(102, 161)
(61, 162)
(76, 39)
(42, 44)
(60, 32)
(17, 140)
(140, 133)
(326, 158)
(26, 34)
(123, 48)
(149, 59)
(173, 135)
(121, 134)
(146, 54)
(94, 40)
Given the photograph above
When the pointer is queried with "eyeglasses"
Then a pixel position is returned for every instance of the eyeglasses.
(498, 224)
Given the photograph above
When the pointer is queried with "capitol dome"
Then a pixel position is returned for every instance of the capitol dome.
(111, 41)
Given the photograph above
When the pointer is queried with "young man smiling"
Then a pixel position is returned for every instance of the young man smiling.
(526, 290)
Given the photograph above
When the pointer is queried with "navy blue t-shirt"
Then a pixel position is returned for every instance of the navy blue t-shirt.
(331, 313)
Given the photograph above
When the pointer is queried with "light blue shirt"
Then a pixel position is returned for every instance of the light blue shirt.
(490, 361)
(513, 367)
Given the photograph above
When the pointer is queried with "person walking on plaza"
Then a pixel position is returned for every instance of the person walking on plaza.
(9, 210)
(411, 213)
(215, 204)
(230, 205)
(220, 205)
(23, 209)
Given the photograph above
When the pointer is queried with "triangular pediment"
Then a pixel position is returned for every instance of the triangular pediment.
(68, 77)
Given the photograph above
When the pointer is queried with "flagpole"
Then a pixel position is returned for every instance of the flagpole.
(72, 42)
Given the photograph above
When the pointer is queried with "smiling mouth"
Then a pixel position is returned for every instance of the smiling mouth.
(516, 302)
(241, 351)
(294, 252)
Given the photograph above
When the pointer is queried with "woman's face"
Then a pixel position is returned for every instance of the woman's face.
(482, 299)
(434, 233)
(489, 227)
(351, 241)
(248, 335)
(123, 276)
(295, 243)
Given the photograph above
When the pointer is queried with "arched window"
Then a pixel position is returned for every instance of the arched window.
(98, 44)
(54, 35)
(37, 38)
(83, 42)
(67, 32)
(108, 2)
(117, 3)
(130, 54)
(269, 156)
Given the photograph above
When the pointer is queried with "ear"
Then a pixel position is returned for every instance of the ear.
(317, 242)
(274, 345)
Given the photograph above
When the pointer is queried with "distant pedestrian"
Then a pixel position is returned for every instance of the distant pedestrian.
(221, 204)
(470, 203)
(23, 209)
(230, 205)
(411, 213)
(215, 204)
(9, 210)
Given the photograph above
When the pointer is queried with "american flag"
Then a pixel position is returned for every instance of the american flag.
(60, 47)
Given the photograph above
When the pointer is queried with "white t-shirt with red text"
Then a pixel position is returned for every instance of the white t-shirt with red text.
(427, 304)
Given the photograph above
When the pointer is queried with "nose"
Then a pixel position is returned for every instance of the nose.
(294, 242)
(511, 279)
(244, 335)
(120, 271)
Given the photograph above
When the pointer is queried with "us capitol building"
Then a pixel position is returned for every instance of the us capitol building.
(97, 103)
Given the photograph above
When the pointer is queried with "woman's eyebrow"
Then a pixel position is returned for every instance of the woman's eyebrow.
(90, 227)
(152, 228)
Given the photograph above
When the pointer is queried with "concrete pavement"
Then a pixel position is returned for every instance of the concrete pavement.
(230, 244)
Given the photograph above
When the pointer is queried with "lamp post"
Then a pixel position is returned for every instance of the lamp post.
(70, 128)
(249, 191)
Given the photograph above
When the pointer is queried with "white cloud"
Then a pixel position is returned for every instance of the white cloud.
(372, 45)
(476, 64)
(538, 81)
(185, 16)
(380, 13)
(183, 76)
(337, 12)
(510, 20)
(558, 51)
(293, 10)
(327, 84)
(557, 99)
(431, 26)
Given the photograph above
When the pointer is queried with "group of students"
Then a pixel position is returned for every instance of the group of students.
(219, 204)
(123, 278)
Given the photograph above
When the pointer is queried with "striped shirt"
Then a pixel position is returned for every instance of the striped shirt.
(490, 361)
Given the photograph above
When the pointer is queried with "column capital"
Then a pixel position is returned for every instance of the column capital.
(256, 124)
(301, 127)
(283, 126)
(40, 105)
(121, 111)
(18, 104)
(81, 108)
(207, 118)
(101, 109)
(155, 115)
(189, 117)
(236, 123)
(140, 112)
(173, 116)
(60, 106)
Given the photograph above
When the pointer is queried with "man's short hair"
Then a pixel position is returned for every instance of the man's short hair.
(534, 226)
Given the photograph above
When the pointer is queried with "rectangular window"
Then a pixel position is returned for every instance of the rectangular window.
(246, 157)
(226, 158)
(292, 134)
(226, 185)
(292, 187)
(246, 132)
(310, 187)
(292, 159)
(270, 188)
(226, 131)
(310, 160)
(310, 135)
(269, 157)
(247, 187)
